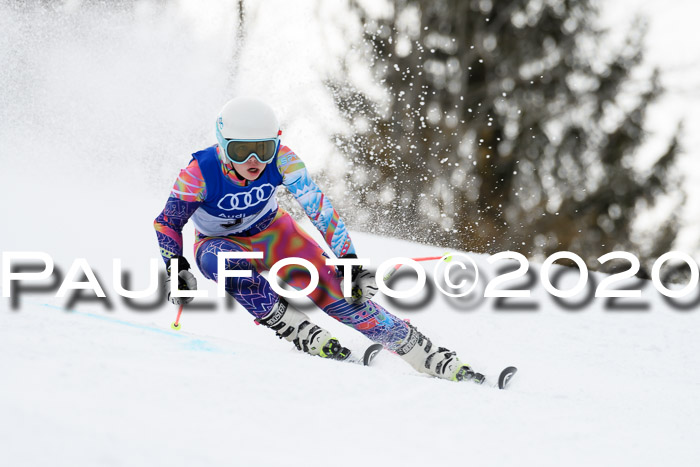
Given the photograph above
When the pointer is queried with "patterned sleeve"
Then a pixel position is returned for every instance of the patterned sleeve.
(316, 205)
(187, 194)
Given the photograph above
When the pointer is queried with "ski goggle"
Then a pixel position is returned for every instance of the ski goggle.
(239, 152)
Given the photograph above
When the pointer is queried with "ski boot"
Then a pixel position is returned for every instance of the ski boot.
(296, 327)
(439, 362)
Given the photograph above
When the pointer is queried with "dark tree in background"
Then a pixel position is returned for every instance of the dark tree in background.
(504, 125)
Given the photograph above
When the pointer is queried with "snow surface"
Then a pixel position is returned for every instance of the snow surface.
(90, 386)
(99, 109)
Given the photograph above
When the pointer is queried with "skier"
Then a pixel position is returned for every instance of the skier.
(229, 192)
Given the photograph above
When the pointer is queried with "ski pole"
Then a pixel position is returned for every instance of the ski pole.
(176, 323)
(391, 272)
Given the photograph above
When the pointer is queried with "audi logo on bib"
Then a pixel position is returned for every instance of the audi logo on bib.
(248, 199)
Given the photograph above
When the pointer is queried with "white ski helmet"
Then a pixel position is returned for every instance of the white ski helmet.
(247, 119)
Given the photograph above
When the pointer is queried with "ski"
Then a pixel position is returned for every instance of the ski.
(505, 376)
(370, 353)
(367, 357)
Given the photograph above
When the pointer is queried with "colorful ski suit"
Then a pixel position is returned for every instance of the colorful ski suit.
(231, 214)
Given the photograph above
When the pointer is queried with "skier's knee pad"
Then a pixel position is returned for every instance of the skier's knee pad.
(208, 264)
(208, 260)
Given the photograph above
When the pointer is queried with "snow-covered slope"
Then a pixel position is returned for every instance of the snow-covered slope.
(94, 386)
(100, 109)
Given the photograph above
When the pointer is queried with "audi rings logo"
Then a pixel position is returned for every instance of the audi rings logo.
(240, 201)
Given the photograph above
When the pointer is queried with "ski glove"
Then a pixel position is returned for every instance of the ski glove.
(364, 286)
(185, 281)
